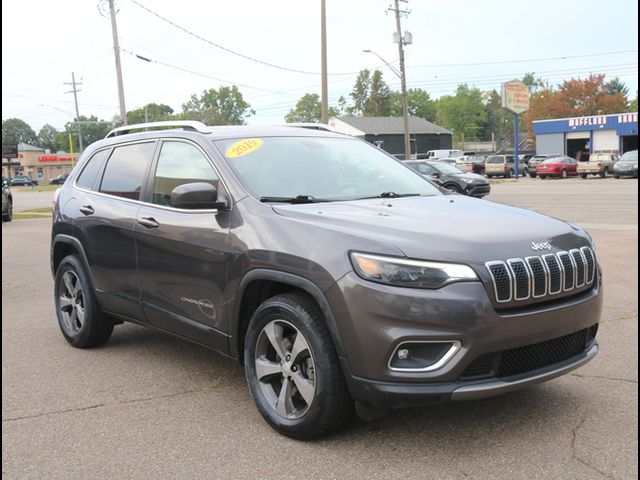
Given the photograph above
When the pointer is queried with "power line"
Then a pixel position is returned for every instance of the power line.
(228, 50)
(529, 60)
(193, 72)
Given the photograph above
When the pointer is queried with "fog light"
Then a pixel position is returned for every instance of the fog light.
(403, 353)
(422, 356)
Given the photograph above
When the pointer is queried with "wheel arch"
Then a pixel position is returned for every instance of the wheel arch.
(64, 245)
(258, 285)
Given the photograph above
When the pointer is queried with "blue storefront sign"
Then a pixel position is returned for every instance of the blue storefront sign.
(623, 123)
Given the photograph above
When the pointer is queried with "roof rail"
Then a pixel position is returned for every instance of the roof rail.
(190, 125)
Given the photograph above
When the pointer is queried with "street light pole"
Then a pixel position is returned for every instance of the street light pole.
(324, 117)
(403, 82)
(116, 49)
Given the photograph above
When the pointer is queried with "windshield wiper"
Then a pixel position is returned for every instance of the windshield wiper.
(392, 195)
(293, 200)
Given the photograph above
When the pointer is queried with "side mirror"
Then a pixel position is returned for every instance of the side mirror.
(435, 175)
(196, 196)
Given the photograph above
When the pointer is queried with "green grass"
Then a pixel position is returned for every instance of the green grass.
(39, 188)
(41, 212)
(38, 210)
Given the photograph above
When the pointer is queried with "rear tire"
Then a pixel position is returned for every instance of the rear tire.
(583, 175)
(292, 369)
(7, 217)
(533, 175)
(81, 322)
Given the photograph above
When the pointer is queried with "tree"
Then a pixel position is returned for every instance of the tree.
(92, 128)
(499, 120)
(575, 98)
(616, 86)
(15, 130)
(420, 104)
(464, 113)
(152, 112)
(633, 104)
(532, 82)
(370, 95)
(47, 138)
(225, 106)
(308, 109)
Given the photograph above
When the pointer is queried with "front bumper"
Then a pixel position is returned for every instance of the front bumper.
(478, 190)
(626, 173)
(399, 395)
(374, 319)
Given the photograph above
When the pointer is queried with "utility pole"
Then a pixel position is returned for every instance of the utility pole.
(402, 41)
(75, 99)
(324, 117)
(116, 50)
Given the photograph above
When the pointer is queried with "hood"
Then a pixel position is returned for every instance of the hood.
(471, 176)
(446, 228)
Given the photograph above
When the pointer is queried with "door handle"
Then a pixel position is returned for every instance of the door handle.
(148, 222)
(87, 210)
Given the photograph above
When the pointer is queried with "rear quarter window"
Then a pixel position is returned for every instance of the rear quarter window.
(87, 178)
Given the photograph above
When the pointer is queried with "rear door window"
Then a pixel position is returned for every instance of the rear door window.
(126, 170)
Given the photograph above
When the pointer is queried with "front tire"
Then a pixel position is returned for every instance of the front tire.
(453, 188)
(292, 369)
(564, 174)
(79, 317)
(605, 173)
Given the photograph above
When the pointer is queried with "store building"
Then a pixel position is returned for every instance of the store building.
(578, 136)
(36, 163)
(388, 133)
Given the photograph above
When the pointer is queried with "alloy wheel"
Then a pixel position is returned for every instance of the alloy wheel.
(285, 369)
(71, 301)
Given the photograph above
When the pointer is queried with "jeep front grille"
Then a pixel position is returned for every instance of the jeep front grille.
(520, 279)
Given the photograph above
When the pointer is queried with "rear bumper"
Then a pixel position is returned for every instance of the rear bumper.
(399, 395)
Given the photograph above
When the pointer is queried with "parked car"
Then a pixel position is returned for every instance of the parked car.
(23, 181)
(471, 163)
(59, 180)
(445, 153)
(451, 178)
(7, 201)
(453, 161)
(339, 277)
(533, 162)
(560, 166)
(499, 166)
(598, 164)
(627, 166)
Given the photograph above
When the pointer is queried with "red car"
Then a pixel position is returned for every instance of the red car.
(560, 166)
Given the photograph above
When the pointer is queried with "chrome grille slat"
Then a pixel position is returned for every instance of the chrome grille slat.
(502, 280)
(556, 273)
(591, 263)
(568, 265)
(580, 264)
(539, 275)
(520, 279)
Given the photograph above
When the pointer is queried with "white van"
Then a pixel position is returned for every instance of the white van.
(444, 153)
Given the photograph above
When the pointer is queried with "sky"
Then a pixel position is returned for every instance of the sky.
(481, 43)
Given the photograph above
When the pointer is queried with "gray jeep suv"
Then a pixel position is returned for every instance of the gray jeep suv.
(339, 277)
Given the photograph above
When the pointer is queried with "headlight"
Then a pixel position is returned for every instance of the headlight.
(469, 180)
(410, 273)
(635, 166)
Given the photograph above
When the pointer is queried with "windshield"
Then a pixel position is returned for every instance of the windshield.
(630, 156)
(447, 168)
(320, 168)
(494, 159)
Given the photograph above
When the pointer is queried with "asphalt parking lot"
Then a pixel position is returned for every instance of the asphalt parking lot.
(147, 405)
